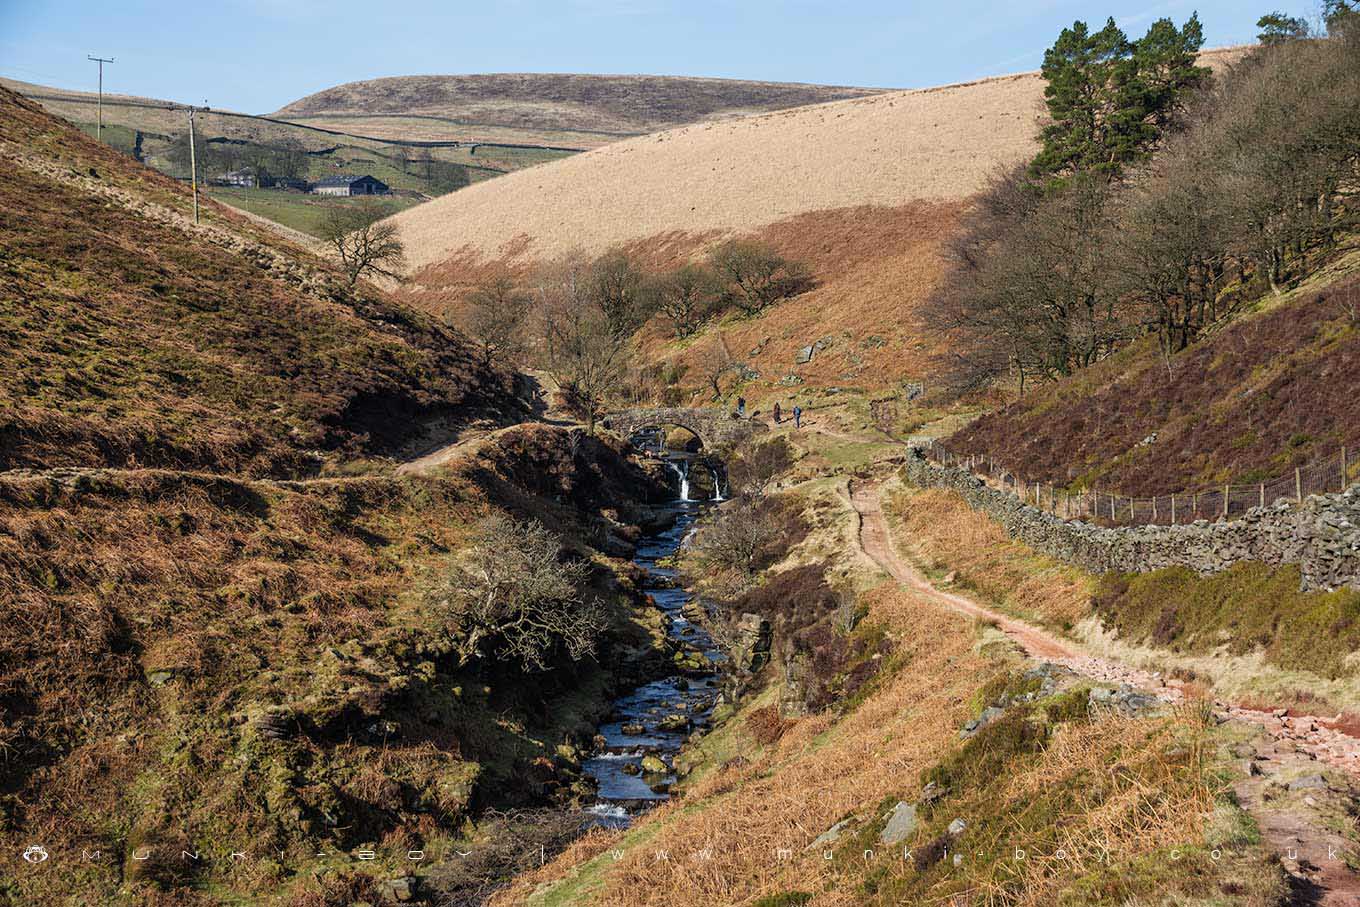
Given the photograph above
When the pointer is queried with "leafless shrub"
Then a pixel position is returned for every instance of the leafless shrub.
(365, 244)
(513, 595)
(499, 310)
(755, 276)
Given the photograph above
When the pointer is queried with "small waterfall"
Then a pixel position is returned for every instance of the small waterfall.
(682, 472)
(717, 485)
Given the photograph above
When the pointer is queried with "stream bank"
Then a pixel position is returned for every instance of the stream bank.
(635, 749)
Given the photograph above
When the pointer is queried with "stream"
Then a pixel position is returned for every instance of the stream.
(632, 732)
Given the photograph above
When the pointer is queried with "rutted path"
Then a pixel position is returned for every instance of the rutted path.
(1313, 855)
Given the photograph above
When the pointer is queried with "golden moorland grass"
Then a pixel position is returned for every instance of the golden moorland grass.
(740, 833)
(943, 534)
(738, 175)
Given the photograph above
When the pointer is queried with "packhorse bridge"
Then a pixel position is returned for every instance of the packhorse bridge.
(713, 426)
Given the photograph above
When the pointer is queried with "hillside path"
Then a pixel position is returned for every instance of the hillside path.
(1312, 855)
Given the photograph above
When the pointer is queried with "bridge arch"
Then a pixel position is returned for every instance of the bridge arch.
(714, 427)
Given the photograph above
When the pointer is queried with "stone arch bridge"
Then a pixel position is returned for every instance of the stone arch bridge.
(713, 426)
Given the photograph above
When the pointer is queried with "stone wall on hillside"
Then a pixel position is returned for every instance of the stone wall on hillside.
(1321, 536)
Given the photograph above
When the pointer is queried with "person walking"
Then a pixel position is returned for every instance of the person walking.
(778, 413)
(741, 407)
(797, 417)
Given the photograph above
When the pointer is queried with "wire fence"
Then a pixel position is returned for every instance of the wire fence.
(1230, 501)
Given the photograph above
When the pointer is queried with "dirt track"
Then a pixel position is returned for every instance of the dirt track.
(1313, 855)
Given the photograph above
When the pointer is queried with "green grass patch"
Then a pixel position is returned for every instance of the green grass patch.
(1246, 608)
(296, 210)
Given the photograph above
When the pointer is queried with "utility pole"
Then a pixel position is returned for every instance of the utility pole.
(99, 105)
(193, 163)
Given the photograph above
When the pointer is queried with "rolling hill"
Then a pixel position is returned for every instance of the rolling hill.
(133, 337)
(863, 190)
(579, 110)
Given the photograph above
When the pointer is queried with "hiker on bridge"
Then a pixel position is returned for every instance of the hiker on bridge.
(778, 413)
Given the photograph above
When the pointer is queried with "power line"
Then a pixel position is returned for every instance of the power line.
(99, 125)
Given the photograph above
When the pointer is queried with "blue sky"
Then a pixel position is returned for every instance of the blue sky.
(257, 55)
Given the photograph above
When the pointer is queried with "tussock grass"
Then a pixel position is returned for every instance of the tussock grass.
(941, 532)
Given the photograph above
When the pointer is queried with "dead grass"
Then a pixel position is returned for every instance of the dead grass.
(738, 175)
(726, 836)
(940, 531)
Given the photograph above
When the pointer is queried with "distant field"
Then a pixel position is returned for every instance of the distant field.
(295, 209)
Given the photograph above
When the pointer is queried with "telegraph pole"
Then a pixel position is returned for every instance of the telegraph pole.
(99, 127)
(193, 163)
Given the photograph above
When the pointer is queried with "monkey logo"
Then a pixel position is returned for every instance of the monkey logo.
(35, 853)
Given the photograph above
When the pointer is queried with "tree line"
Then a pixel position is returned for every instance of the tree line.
(587, 310)
(1162, 198)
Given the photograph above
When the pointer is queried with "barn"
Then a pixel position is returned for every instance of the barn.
(349, 185)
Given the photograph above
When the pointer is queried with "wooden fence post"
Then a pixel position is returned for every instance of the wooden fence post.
(1173, 510)
(1133, 513)
(1343, 468)
(1263, 494)
(1112, 508)
(1227, 496)
(1154, 508)
(1298, 485)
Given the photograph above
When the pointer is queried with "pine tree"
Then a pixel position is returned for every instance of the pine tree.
(1110, 98)
(1278, 28)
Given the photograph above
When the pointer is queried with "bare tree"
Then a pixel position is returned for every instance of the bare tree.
(726, 547)
(755, 276)
(499, 310)
(365, 243)
(584, 351)
(512, 595)
(686, 296)
(718, 364)
(620, 290)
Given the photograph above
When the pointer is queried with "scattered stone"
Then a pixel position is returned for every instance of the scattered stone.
(956, 827)
(1309, 782)
(901, 823)
(676, 722)
(631, 768)
(831, 835)
(399, 890)
(275, 723)
(805, 355)
(633, 729)
(989, 714)
(654, 765)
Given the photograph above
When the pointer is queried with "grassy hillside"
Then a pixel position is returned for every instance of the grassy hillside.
(296, 210)
(1267, 392)
(784, 807)
(205, 647)
(214, 664)
(887, 149)
(148, 129)
(546, 108)
(132, 338)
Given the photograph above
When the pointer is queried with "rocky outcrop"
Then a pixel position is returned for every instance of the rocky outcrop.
(751, 644)
(1321, 536)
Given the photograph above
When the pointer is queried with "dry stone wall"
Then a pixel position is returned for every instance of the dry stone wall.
(1321, 536)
